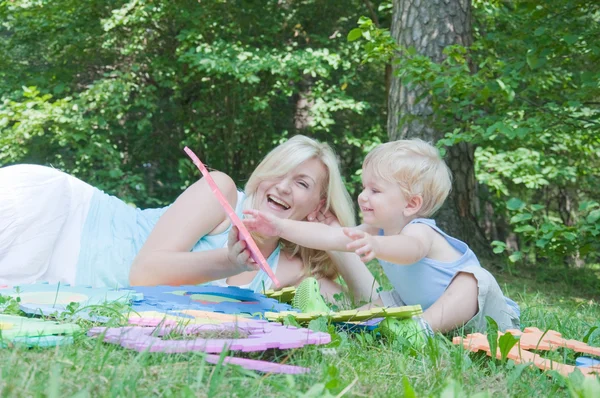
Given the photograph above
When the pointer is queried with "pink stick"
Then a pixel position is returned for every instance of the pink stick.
(245, 235)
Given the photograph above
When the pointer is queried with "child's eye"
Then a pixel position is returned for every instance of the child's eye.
(302, 183)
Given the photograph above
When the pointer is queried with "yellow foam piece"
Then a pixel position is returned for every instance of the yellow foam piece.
(284, 295)
(5, 326)
(199, 317)
(348, 315)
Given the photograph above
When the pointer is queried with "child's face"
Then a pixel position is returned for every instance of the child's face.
(294, 195)
(382, 203)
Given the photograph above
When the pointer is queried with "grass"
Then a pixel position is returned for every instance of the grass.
(354, 364)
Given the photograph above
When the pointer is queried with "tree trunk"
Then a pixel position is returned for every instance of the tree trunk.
(429, 26)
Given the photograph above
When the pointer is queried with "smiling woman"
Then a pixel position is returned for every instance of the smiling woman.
(57, 228)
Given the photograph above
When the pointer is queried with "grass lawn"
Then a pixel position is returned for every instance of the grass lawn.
(352, 365)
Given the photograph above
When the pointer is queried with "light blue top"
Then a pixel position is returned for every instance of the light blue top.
(114, 232)
(424, 281)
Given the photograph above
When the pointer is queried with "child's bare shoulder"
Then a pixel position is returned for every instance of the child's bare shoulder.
(418, 230)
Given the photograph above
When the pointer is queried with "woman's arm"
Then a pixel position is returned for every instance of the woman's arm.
(165, 257)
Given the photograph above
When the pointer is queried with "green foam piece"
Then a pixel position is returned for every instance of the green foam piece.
(349, 315)
(284, 295)
(35, 332)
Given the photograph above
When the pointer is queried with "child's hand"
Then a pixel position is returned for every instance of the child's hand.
(263, 223)
(363, 244)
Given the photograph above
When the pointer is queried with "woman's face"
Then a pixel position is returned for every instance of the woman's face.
(294, 195)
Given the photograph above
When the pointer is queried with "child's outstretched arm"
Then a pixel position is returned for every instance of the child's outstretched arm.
(313, 235)
(411, 245)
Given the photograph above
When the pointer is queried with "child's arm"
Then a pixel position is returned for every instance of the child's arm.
(308, 234)
(313, 235)
(408, 247)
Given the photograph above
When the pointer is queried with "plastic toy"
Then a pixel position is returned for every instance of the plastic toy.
(228, 300)
(348, 315)
(245, 235)
(534, 339)
(18, 330)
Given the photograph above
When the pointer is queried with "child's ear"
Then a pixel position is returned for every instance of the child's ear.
(413, 205)
(313, 214)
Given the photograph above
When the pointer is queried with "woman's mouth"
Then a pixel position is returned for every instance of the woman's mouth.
(277, 203)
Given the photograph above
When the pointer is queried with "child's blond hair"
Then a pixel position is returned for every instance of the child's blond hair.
(417, 167)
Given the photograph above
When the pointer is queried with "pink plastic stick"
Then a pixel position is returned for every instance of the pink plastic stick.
(245, 235)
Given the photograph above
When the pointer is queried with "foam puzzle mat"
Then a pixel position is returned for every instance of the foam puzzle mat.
(250, 336)
(47, 299)
(227, 300)
(18, 330)
(532, 338)
(348, 315)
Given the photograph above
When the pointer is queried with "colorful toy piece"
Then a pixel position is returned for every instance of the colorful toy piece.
(29, 332)
(284, 295)
(534, 338)
(184, 318)
(228, 300)
(348, 315)
(47, 299)
(261, 335)
(245, 235)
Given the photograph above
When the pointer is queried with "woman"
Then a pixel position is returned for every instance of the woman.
(56, 228)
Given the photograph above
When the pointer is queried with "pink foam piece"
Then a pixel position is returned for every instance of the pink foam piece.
(262, 335)
(261, 366)
(245, 235)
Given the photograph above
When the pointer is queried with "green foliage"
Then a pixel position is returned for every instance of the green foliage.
(115, 89)
(528, 100)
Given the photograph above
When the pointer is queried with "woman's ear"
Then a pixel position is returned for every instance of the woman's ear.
(312, 216)
(413, 205)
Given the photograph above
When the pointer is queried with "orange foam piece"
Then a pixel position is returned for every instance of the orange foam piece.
(534, 338)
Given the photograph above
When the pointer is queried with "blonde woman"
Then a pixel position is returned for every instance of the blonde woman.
(57, 228)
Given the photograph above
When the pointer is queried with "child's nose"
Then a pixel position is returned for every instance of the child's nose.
(362, 196)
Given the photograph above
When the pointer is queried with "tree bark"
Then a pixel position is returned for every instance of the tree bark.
(429, 26)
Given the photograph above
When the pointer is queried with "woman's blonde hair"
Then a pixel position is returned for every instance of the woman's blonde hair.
(283, 159)
(417, 167)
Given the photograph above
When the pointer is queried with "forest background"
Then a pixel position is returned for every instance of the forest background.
(111, 91)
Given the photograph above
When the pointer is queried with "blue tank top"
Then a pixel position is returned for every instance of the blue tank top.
(424, 281)
(114, 232)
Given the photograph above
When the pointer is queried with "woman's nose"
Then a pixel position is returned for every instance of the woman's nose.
(284, 185)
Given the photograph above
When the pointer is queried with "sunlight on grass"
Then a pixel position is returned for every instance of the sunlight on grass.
(356, 364)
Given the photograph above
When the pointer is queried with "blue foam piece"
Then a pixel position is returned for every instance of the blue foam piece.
(177, 298)
(48, 299)
(585, 362)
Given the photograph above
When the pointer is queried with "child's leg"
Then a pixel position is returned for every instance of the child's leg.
(472, 295)
(456, 306)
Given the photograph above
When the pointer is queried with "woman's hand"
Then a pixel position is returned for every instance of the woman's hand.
(263, 223)
(363, 244)
(327, 218)
(238, 254)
